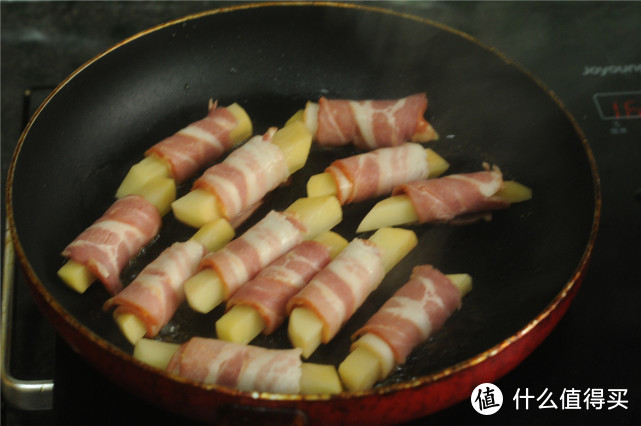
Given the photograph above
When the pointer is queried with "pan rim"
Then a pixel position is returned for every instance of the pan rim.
(565, 295)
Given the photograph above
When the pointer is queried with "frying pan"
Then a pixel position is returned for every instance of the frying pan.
(527, 262)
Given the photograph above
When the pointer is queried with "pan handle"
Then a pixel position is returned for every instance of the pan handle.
(29, 395)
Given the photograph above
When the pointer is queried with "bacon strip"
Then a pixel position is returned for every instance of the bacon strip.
(342, 286)
(198, 144)
(244, 367)
(246, 175)
(416, 311)
(376, 173)
(449, 197)
(272, 288)
(115, 238)
(157, 291)
(373, 124)
(242, 258)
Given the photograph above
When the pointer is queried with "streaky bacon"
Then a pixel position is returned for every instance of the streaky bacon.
(452, 197)
(242, 258)
(269, 292)
(342, 286)
(246, 175)
(115, 238)
(371, 124)
(198, 144)
(415, 311)
(244, 367)
(372, 174)
(155, 294)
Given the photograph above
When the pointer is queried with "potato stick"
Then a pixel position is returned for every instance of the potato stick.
(153, 166)
(371, 359)
(399, 210)
(314, 379)
(160, 192)
(243, 322)
(155, 352)
(306, 328)
(324, 183)
(212, 236)
(200, 206)
(206, 289)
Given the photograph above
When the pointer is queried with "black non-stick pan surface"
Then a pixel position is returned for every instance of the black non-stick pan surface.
(271, 59)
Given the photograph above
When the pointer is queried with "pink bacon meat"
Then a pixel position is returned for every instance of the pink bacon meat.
(342, 286)
(115, 238)
(373, 124)
(376, 173)
(244, 367)
(416, 311)
(451, 197)
(157, 291)
(246, 175)
(198, 144)
(272, 288)
(242, 258)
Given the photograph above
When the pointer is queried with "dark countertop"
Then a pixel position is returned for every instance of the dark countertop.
(577, 49)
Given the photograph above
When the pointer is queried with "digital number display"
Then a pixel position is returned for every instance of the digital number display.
(618, 105)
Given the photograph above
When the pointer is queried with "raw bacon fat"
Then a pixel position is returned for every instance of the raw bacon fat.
(246, 175)
(416, 311)
(272, 288)
(444, 199)
(114, 239)
(198, 144)
(244, 367)
(241, 259)
(342, 286)
(157, 291)
(376, 173)
(373, 124)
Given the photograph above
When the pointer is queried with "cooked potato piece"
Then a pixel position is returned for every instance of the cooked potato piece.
(244, 129)
(204, 291)
(319, 379)
(196, 208)
(295, 142)
(438, 165)
(396, 210)
(394, 244)
(76, 275)
(151, 167)
(514, 192)
(360, 370)
(215, 234)
(240, 324)
(318, 214)
(155, 352)
(131, 326)
(333, 241)
(160, 192)
(305, 330)
(320, 185)
(462, 281)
